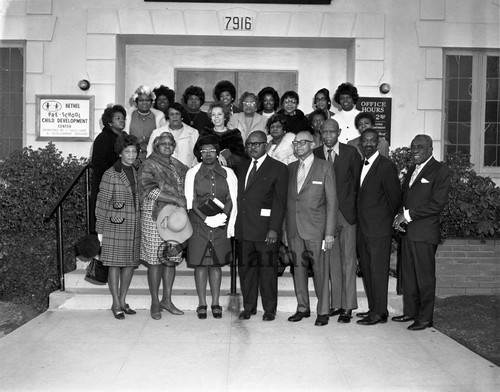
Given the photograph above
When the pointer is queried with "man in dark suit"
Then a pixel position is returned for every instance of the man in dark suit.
(342, 259)
(379, 199)
(425, 193)
(311, 220)
(262, 185)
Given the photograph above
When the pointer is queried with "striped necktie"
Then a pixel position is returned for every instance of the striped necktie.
(301, 176)
(252, 173)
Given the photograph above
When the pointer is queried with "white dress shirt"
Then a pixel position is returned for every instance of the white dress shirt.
(366, 167)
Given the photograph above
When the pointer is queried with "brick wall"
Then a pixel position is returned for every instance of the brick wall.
(468, 267)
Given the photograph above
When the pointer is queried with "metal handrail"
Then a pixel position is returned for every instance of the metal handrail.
(57, 210)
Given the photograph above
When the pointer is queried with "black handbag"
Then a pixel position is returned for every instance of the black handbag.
(97, 273)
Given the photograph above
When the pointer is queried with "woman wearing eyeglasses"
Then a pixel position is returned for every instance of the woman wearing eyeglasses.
(144, 119)
(230, 141)
(295, 118)
(249, 120)
(322, 102)
(161, 182)
(211, 198)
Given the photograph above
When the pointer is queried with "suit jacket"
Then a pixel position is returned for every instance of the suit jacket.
(347, 167)
(379, 198)
(312, 212)
(265, 191)
(426, 199)
(237, 121)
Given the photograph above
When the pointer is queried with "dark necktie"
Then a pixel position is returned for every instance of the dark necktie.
(329, 157)
(252, 172)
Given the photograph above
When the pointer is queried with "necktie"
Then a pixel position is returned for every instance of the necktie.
(414, 174)
(252, 172)
(329, 157)
(301, 176)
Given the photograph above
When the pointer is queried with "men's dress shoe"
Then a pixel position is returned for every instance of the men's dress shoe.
(345, 317)
(297, 316)
(417, 326)
(246, 314)
(268, 316)
(402, 318)
(321, 320)
(372, 320)
(363, 314)
(335, 311)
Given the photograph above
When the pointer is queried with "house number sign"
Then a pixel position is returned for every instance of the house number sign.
(239, 23)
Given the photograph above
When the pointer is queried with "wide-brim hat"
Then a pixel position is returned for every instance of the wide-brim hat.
(173, 224)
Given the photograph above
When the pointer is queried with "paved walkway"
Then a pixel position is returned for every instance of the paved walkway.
(72, 350)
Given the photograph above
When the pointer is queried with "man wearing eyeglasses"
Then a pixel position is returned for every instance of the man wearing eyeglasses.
(312, 209)
(262, 184)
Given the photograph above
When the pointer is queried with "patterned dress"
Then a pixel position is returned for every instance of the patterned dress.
(157, 176)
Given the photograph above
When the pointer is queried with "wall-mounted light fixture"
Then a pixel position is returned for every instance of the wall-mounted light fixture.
(384, 88)
(84, 84)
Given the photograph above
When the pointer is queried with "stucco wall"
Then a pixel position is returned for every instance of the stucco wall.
(398, 42)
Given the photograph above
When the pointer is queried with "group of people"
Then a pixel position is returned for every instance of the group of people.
(316, 190)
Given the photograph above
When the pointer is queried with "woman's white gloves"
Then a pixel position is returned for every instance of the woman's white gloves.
(216, 220)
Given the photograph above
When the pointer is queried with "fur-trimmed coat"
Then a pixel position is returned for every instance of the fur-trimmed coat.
(118, 217)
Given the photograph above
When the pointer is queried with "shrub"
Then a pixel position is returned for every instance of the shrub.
(31, 181)
(473, 209)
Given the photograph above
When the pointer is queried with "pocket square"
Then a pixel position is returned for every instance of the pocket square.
(317, 183)
(424, 181)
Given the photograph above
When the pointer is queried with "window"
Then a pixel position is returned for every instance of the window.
(472, 108)
(11, 99)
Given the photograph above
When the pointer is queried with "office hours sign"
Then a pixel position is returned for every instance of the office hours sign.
(65, 117)
(381, 109)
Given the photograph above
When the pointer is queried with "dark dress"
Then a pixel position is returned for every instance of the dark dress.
(297, 123)
(209, 246)
(103, 157)
(229, 140)
(198, 121)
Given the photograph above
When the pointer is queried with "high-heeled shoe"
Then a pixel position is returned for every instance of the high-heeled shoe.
(118, 313)
(202, 312)
(155, 312)
(128, 310)
(217, 311)
(172, 309)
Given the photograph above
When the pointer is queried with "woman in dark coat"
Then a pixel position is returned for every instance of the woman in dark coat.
(295, 119)
(161, 182)
(117, 223)
(230, 141)
(209, 248)
(103, 151)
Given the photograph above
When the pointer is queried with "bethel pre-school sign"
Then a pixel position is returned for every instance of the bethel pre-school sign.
(65, 117)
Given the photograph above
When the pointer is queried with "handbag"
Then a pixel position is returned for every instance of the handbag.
(97, 272)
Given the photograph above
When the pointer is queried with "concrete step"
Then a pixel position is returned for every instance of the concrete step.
(80, 294)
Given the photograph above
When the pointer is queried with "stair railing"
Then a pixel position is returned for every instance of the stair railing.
(58, 211)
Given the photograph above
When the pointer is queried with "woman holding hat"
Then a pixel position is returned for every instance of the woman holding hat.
(211, 198)
(117, 223)
(161, 182)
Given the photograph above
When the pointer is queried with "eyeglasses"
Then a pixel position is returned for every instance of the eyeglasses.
(144, 100)
(254, 144)
(290, 100)
(165, 144)
(249, 103)
(300, 142)
(211, 151)
(320, 99)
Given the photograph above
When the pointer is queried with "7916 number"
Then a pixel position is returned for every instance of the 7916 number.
(238, 23)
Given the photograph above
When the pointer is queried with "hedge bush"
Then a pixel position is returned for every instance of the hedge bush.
(473, 209)
(31, 181)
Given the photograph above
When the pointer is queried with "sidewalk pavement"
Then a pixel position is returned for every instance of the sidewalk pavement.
(76, 350)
